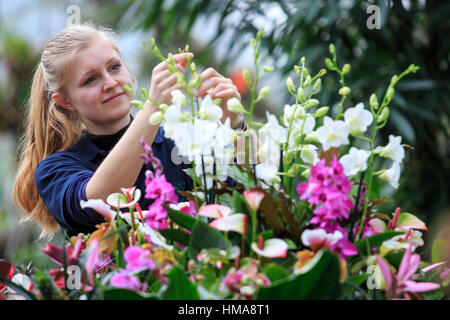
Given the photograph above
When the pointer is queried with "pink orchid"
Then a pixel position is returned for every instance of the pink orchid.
(254, 198)
(127, 199)
(400, 285)
(149, 156)
(189, 209)
(101, 207)
(156, 216)
(157, 187)
(272, 248)
(138, 259)
(126, 281)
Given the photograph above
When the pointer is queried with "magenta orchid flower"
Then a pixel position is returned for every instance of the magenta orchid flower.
(101, 207)
(272, 248)
(138, 259)
(401, 285)
(127, 199)
(254, 198)
(126, 281)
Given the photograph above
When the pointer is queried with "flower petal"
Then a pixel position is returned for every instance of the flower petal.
(236, 222)
(254, 198)
(413, 286)
(214, 211)
(273, 248)
(387, 274)
(119, 200)
(433, 266)
(100, 206)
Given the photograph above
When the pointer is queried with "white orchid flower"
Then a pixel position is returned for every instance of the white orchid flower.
(178, 98)
(309, 154)
(355, 161)
(209, 110)
(392, 175)
(358, 119)
(268, 173)
(393, 150)
(333, 133)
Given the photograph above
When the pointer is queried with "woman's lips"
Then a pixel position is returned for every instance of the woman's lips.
(114, 98)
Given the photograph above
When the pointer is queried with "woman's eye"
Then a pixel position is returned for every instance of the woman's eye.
(89, 80)
(116, 66)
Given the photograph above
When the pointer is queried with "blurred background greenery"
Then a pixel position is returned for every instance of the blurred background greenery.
(218, 32)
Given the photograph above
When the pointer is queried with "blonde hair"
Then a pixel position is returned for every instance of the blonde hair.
(50, 128)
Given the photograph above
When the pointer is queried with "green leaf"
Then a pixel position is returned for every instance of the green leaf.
(28, 295)
(180, 218)
(358, 279)
(438, 251)
(124, 294)
(375, 240)
(409, 220)
(179, 287)
(395, 258)
(275, 272)
(176, 235)
(204, 237)
(240, 176)
(319, 281)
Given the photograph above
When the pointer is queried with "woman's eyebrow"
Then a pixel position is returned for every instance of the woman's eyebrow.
(93, 70)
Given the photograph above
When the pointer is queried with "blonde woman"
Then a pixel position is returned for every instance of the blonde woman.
(79, 83)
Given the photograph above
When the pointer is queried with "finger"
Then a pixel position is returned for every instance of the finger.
(211, 83)
(168, 82)
(227, 94)
(209, 73)
(181, 57)
(167, 92)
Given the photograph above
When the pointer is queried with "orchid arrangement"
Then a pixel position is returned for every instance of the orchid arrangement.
(298, 220)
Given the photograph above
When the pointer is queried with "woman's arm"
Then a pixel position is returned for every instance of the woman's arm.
(122, 165)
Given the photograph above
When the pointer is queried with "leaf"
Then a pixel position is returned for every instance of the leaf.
(180, 218)
(408, 220)
(204, 237)
(438, 251)
(269, 211)
(18, 288)
(292, 224)
(124, 294)
(240, 176)
(275, 272)
(403, 125)
(395, 258)
(358, 279)
(179, 287)
(319, 281)
(375, 240)
(176, 235)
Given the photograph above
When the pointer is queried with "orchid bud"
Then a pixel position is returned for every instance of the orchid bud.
(390, 93)
(156, 118)
(344, 91)
(217, 101)
(394, 79)
(307, 82)
(317, 84)
(267, 69)
(264, 92)
(290, 84)
(373, 101)
(322, 72)
(329, 64)
(306, 173)
(346, 68)
(301, 93)
(302, 61)
(293, 170)
(311, 103)
(127, 88)
(193, 66)
(234, 105)
(163, 107)
(138, 104)
(332, 49)
(384, 115)
(305, 72)
(247, 77)
(144, 92)
(297, 69)
(321, 112)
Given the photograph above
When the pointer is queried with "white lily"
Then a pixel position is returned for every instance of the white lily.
(333, 133)
(358, 119)
(355, 161)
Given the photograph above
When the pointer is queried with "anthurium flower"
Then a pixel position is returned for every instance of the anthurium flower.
(317, 239)
(127, 199)
(333, 133)
(358, 119)
(272, 248)
(235, 222)
(154, 237)
(355, 161)
(393, 150)
(253, 198)
(214, 211)
(6, 270)
(401, 285)
(101, 207)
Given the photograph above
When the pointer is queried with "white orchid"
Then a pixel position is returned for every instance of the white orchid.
(209, 110)
(392, 175)
(355, 161)
(272, 130)
(309, 154)
(178, 98)
(333, 133)
(223, 147)
(198, 139)
(268, 173)
(358, 119)
(393, 150)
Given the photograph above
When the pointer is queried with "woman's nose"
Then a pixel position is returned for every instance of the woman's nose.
(109, 82)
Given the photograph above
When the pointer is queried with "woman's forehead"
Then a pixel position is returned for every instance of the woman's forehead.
(99, 51)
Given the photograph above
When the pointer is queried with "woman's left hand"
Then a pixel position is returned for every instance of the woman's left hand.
(217, 86)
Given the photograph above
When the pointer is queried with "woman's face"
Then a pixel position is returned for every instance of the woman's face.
(94, 88)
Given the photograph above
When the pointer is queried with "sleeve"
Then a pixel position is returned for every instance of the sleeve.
(61, 181)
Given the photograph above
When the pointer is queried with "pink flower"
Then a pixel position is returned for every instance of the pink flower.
(318, 238)
(400, 285)
(157, 187)
(190, 209)
(72, 253)
(156, 216)
(137, 259)
(124, 280)
(225, 221)
(149, 156)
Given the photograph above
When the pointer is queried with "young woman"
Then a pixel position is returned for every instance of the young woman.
(79, 83)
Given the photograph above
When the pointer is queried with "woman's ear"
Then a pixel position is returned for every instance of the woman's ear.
(62, 102)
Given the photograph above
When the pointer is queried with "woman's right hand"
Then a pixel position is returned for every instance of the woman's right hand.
(163, 82)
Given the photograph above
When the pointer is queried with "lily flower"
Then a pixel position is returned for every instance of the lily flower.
(401, 285)
(272, 248)
(253, 198)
